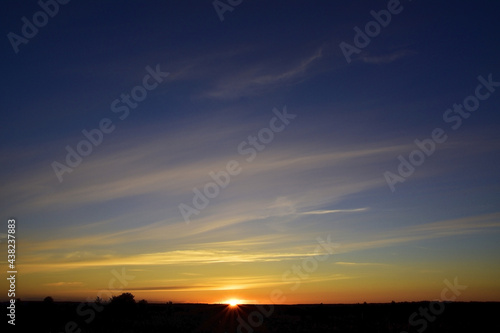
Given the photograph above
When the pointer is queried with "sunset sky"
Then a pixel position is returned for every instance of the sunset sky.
(306, 138)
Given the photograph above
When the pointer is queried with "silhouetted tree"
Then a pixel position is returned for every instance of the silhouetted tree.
(142, 306)
(123, 299)
(48, 300)
(122, 305)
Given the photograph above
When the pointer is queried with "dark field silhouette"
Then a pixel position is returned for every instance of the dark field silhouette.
(124, 314)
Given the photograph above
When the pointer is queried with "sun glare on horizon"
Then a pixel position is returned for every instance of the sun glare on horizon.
(233, 302)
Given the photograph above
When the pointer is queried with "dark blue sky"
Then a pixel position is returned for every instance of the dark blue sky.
(86, 56)
(325, 173)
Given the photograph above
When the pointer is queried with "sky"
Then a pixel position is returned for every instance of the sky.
(265, 151)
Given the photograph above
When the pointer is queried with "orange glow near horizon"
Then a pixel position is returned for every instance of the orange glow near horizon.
(233, 302)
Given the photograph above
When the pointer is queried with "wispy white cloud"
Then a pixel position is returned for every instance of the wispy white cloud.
(240, 283)
(257, 79)
(343, 263)
(177, 258)
(64, 284)
(334, 211)
(440, 229)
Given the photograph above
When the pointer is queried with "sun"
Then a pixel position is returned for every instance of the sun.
(233, 302)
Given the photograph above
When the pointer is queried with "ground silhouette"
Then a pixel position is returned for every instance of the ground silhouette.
(123, 314)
